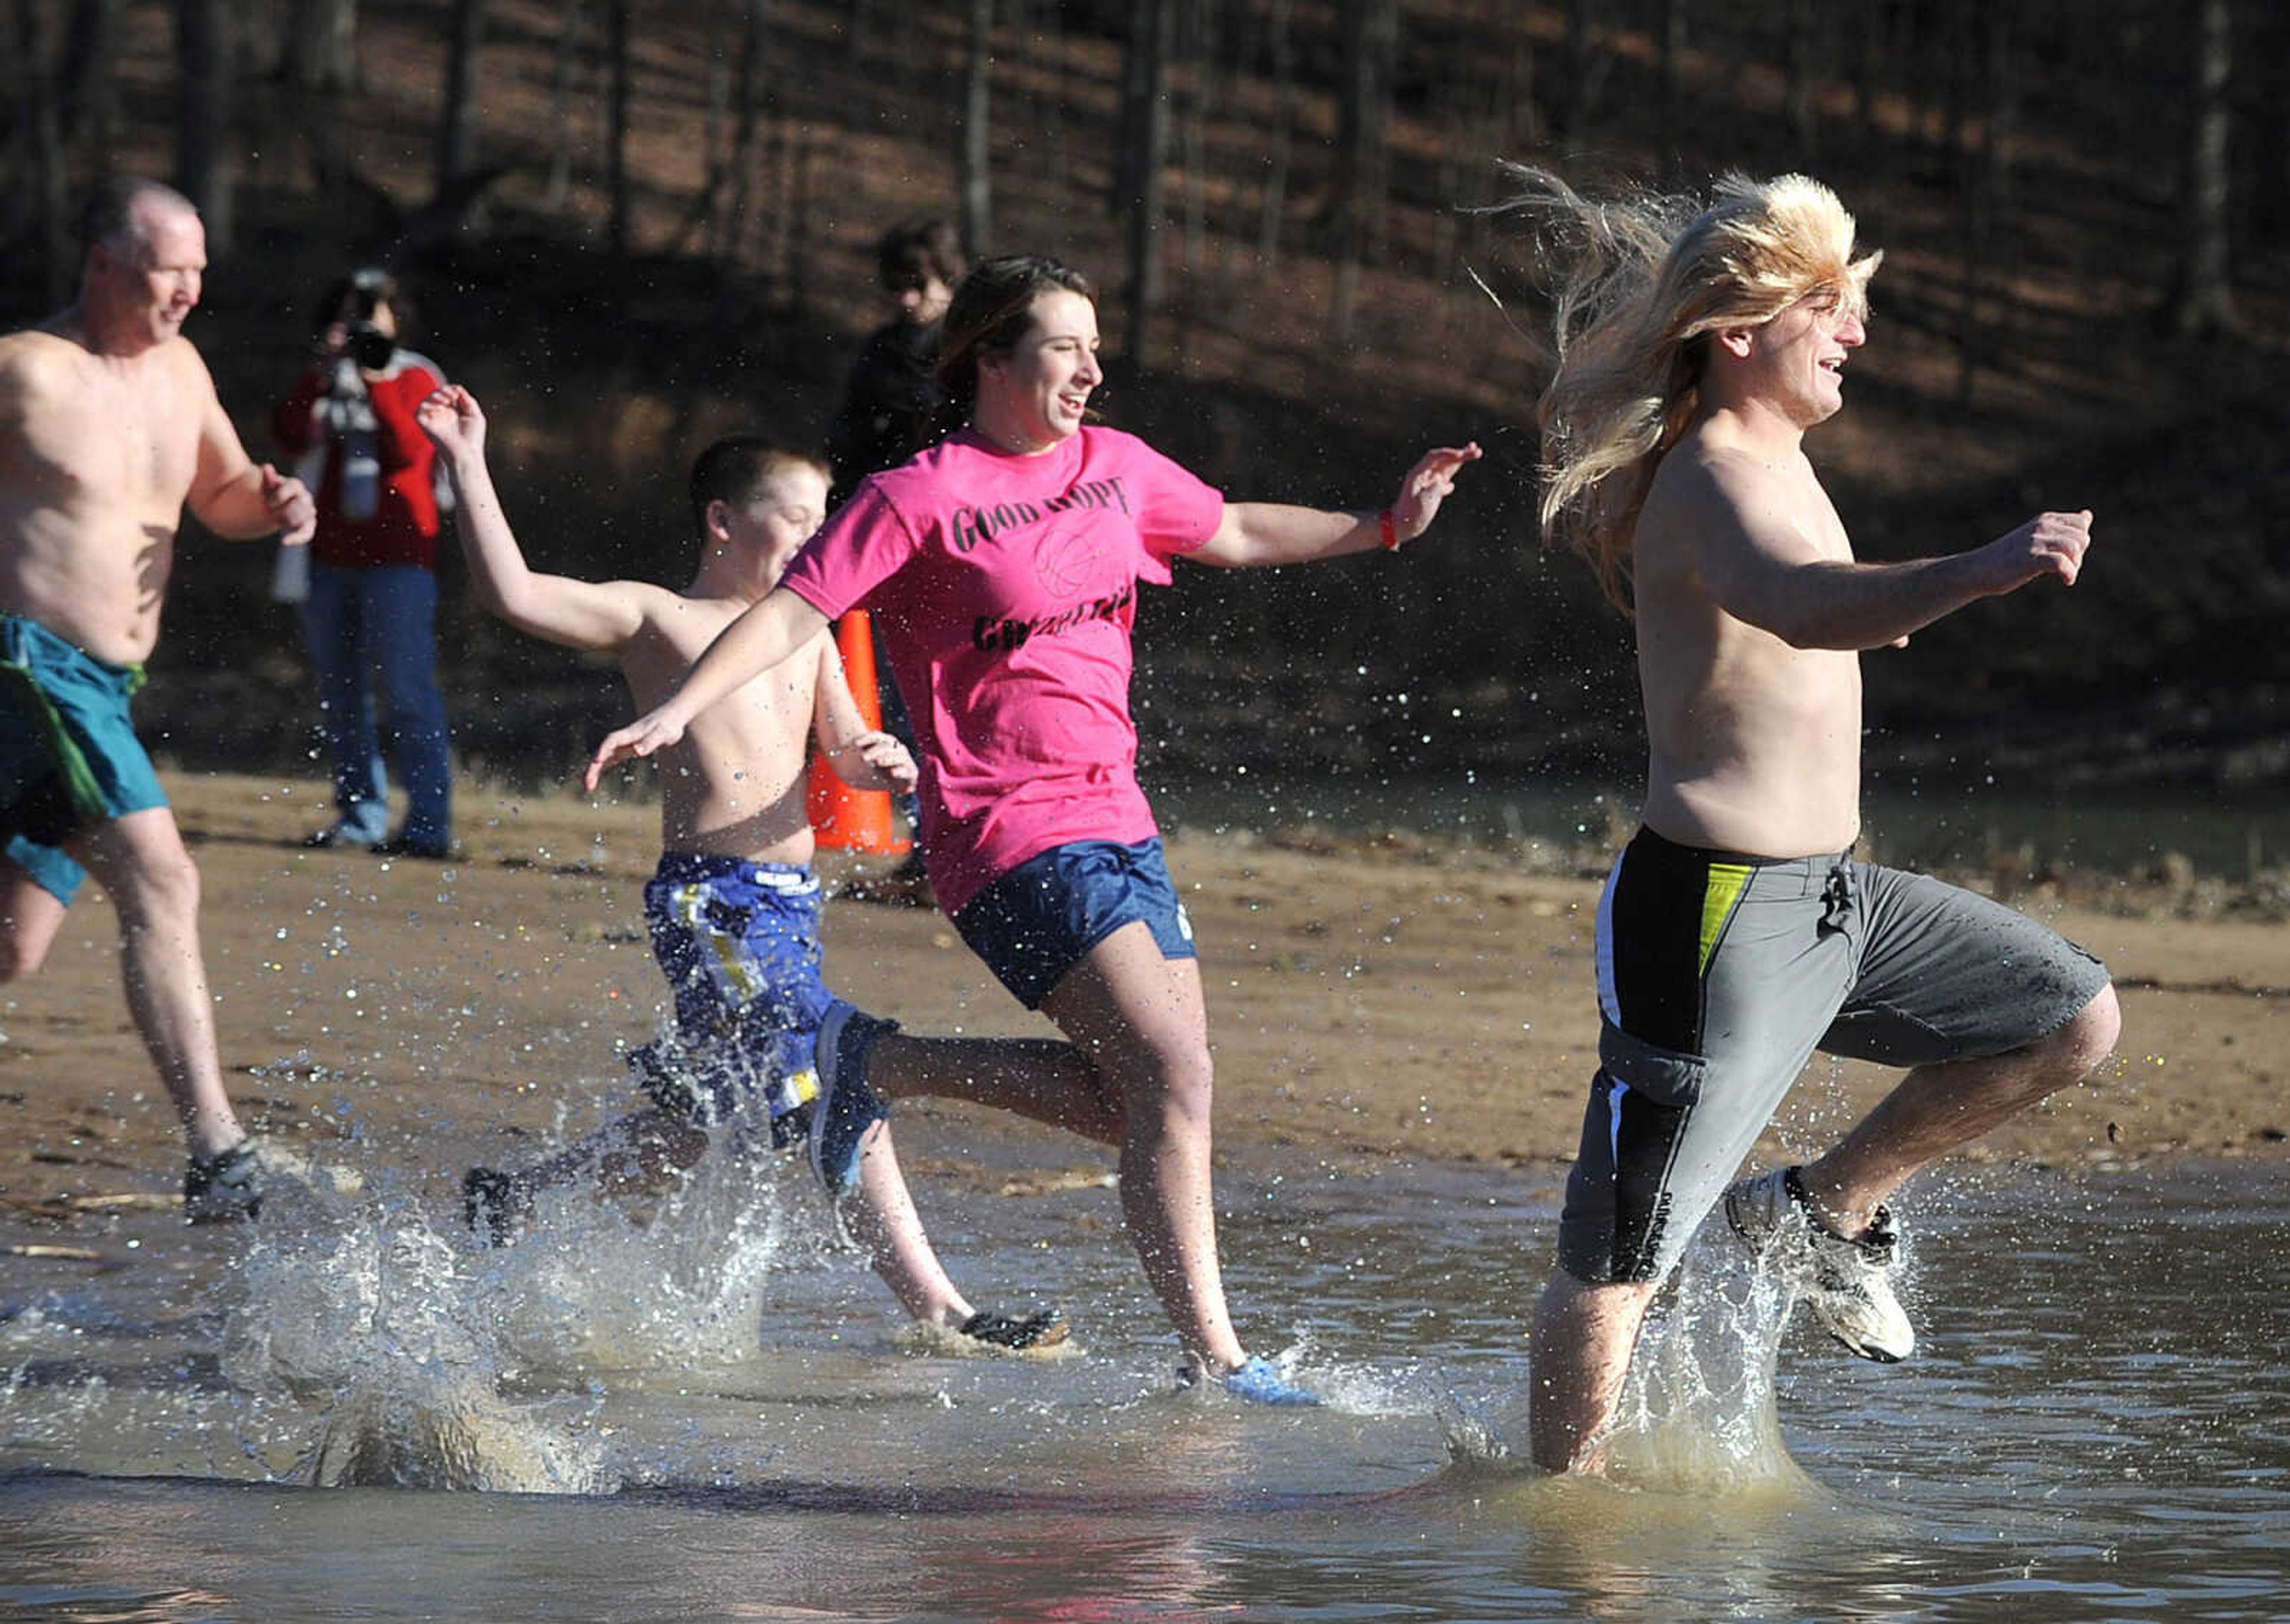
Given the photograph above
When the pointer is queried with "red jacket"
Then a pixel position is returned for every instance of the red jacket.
(403, 526)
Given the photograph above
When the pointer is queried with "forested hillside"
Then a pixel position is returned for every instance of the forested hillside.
(632, 226)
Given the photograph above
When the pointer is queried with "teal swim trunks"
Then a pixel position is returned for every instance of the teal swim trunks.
(68, 754)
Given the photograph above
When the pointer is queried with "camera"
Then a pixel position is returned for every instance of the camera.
(369, 345)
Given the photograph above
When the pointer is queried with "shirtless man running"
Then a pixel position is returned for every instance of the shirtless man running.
(108, 425)
(1737, 935)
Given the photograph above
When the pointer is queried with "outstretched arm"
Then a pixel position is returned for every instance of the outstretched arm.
(577, 613)
(1761, 568)
(235, 497)
(863, 757)
(752, 645)
(1256, 534)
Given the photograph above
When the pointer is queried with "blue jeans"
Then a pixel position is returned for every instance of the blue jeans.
(366, 624)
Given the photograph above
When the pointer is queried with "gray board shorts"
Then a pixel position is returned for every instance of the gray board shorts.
(1719, 977)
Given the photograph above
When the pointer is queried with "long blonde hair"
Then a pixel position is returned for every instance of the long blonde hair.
(1639, 283)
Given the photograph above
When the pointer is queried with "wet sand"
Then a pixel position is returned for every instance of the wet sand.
(1367, 1004)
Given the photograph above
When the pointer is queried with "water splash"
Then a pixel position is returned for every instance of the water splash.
(419, 1349)
(377, 1325)
(1698, 1413)
(682, 1280)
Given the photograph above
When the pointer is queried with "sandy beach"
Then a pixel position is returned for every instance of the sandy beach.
(1372, 1001)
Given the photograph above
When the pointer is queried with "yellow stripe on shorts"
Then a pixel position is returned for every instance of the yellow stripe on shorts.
(1724, 889)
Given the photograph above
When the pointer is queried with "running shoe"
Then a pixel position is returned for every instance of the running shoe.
(846, 1107)
(1848, 1282)
(1043, 1328)
(231, 1184)
(428, 851)
(494, 1206)
(1261, 1382)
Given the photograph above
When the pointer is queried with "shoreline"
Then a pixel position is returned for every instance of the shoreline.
(1369, 998)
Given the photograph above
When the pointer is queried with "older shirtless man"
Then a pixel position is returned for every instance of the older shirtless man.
(1737, 935)
(108, 425)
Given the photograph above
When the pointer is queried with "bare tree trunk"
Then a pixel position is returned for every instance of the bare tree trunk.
(319, 51)
(1579, 89)
(703, 216)
(91, 78)
(1984, 171)
(1198, 49)
(795, 274)
(1868, 65)
(1052, 114)
(1371, 44)
(1146, 82)
(977, 109)
(747, 120)
(1274, 205)
(562, 64)
(35, 95)
(1670, 52)
(2204, 303)
(317, 62)
(1522, 121)
(457, 128)
(616, 128)
(1803, 69)
(2002, 256)
(204, 52)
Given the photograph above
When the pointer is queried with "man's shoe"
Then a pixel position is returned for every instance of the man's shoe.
(846, 1107)
(1848, 1282)
(232, 1184)
(340, 837)
(426, 850)
(494, 1206)
(1044, 1328)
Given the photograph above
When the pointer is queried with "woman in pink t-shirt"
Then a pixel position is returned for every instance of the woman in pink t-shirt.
(1002, 566)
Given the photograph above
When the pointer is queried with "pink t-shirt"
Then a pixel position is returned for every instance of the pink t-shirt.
(1005, 588)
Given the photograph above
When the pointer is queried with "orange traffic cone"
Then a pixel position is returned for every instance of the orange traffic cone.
(846, 819)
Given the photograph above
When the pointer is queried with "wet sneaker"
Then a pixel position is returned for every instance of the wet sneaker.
(1044, 1328)
(230, 1185)
(1261, 1382)
(846, 1107)
(493, 1206)
(1848, 1282)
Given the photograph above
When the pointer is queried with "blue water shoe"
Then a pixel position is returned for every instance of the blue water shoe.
(1261, 1382)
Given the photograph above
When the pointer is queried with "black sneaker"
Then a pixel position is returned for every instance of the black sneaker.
(230, 1185)
(493, 1206)
(1043, 1328)
(426, 850)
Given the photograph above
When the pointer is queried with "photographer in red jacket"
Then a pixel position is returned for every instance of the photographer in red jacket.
(368, 616)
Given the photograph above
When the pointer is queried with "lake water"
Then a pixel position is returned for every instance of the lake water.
(718, 1416)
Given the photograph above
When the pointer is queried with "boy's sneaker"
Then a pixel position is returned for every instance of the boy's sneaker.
(1848, 1282)
(231, 1185)
(846, 1107)
(494, 1206)
(1043, 1328)
(1261, 1382)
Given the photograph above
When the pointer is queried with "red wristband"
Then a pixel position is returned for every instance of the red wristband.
(1390, 530)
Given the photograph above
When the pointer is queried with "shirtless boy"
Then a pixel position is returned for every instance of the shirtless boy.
(109, 426)
(733, 906)
(1737, 935)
